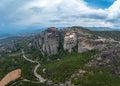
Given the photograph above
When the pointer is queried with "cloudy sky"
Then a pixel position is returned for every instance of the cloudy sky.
(59, 13)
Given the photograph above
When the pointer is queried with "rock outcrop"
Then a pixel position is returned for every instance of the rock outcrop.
(70, 41)
(76, 36)
(82, 45)
(48, 41)
(109, 58)
(8, 47)
(71, 38)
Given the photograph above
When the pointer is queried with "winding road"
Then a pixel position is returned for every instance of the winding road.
(40, 78)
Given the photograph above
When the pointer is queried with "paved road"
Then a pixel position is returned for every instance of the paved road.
(40, 78)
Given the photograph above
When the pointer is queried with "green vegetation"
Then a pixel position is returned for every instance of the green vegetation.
(31, 84)
(9, 63)
(97, 76)
(12, 61)
(109, 34)
(61, 66)
(98, 80)
(23, 83)
(61, 70)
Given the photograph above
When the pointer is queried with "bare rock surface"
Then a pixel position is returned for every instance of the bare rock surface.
(48, 41)
(70, 41)
(10, 77)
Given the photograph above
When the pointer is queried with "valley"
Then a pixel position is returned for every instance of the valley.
(72, 56)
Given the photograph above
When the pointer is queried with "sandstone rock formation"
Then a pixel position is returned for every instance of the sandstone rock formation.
(47, 41)
(70, 41)
(76, 36)
(51, 40)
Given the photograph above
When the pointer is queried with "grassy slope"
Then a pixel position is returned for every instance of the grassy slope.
(14, 61)
(97, 79)
(61, 70)
(22, 83)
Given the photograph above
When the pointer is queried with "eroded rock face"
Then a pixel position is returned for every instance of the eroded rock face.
(48, 41)
(70, 38)
(108, 59)
(51, 41)
(37, 41)
(70, 41)
(82, 46)
(85, 44)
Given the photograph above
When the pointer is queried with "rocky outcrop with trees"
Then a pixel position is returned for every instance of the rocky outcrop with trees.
(51, 40)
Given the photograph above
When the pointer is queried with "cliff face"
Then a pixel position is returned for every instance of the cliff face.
(48, 41)
(70, 41)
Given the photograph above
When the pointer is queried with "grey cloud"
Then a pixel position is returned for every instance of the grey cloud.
(36, 9)
(79, 16)
(55, 20)
(60, 12)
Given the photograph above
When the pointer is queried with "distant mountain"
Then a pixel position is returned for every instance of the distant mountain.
(103, 29)
(24, 31)
(21, 31)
